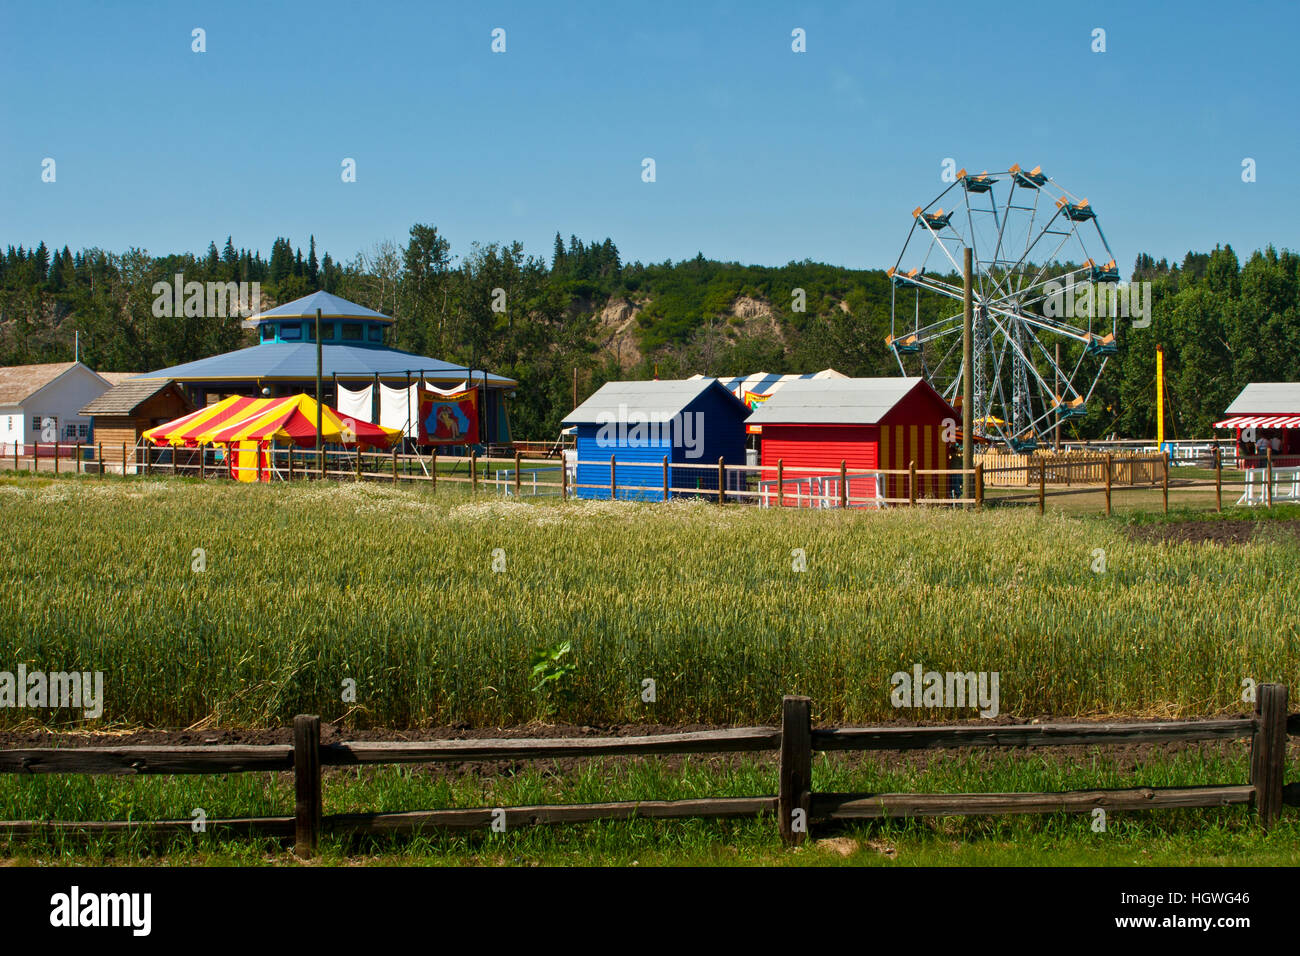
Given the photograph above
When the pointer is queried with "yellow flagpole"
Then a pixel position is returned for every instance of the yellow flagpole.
(1160, 395)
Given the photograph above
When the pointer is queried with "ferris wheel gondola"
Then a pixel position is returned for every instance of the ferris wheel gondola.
(1029, 239)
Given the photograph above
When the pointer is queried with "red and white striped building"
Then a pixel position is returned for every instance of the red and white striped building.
(1269, 411)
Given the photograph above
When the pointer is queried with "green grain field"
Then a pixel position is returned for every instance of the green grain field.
(309, 587)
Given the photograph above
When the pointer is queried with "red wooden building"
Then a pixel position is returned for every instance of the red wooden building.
(867, 423)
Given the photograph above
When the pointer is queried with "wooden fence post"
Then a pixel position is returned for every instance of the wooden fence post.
(564, 474)
(518, 465)
(473, 467)
(306, 779)
(1268, 477)
(722, 482)
(911, 482)
(1164, 480)
(358, 450)
(433, 470)
(667, 480)
(1268, 751)
(16, 446)
(394, 464)
(613, 481)
(123, 459)
(979, 487)
(1109, 463)
(795, 789)
(56, 458)
(77, 451)
(780, 482)
(1042, 485)
(844, 483)
(1218, 479)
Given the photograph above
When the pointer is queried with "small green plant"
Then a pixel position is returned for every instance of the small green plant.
(552, 672)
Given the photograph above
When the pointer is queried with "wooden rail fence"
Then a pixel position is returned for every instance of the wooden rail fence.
(797, 806)
(779, 485)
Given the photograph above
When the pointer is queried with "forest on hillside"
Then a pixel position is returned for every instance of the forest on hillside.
(1223, 322)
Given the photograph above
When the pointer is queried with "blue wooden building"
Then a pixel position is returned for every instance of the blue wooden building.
(691, 422)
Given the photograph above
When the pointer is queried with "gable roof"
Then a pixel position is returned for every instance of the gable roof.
(20, 382)
(125, 398)
(660, 399)
(1267, 397)
(113, 378)
(847, 401)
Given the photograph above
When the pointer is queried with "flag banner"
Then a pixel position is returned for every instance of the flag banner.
(752, 400)
(449, 419)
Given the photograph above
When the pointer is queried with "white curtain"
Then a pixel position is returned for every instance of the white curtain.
(355, 405)
(397, 408)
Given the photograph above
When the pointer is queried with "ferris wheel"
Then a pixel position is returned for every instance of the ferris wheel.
(1033, 243)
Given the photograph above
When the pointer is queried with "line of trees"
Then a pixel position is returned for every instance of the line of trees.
(1222, 322)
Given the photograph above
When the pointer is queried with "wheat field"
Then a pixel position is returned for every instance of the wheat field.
(220, 605)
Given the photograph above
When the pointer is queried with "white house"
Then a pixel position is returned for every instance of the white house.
(42, 403)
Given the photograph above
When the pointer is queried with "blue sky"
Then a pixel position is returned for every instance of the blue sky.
(762, 155)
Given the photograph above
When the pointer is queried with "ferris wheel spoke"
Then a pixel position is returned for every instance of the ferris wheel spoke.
(1028, 244)
(1047, 325)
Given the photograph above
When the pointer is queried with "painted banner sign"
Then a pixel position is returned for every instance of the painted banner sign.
(752, 400)
(449, 419)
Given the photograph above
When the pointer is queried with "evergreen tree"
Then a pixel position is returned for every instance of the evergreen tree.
(557, 257)
(40, 264)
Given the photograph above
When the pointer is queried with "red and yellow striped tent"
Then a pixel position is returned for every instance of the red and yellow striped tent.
(250, 425)
(188, 429)
(289, 420)
(292, 420)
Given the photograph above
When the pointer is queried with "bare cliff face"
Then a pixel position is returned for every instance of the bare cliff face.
(617, 331)
(618, 326)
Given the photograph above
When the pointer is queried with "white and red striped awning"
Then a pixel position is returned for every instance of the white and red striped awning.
(1260, 421)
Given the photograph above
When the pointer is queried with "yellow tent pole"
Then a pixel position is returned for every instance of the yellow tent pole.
(1160, 396)
(320, 449)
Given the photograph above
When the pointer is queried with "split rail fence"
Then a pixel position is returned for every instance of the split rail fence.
(1259, 481)
(796, 806)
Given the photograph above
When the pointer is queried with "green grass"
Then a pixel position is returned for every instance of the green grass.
(1227, 836)
(312, 584)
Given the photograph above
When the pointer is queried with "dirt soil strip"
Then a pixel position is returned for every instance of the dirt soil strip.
(1225, 532)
